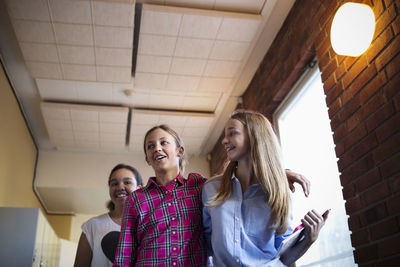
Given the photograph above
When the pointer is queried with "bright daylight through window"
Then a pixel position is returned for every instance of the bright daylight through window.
(307, 144)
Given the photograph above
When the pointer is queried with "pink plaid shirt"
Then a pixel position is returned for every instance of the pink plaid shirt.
(162, 226)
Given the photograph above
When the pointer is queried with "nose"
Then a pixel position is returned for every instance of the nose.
(224, 141)
(157, 147)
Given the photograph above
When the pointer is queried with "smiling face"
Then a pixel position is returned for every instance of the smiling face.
(236, 140)
(122, 183)
(162, 152)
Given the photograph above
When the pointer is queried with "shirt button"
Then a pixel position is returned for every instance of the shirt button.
(166, 192)
(236, 240)
(237, 260)
(174, 248)
(173, 232)
(236, 218)
(173, 218)
(174, 263)
(169, 204)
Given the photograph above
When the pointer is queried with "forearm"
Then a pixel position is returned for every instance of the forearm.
(295, 252)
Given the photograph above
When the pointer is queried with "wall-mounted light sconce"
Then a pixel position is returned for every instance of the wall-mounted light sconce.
(352, 30)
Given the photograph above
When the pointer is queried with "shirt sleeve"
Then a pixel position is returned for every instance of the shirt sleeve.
(207, 221)
(127, 245)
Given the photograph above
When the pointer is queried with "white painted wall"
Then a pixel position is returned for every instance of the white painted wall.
(67, 253)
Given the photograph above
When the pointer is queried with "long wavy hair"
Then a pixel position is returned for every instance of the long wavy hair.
(266, 166)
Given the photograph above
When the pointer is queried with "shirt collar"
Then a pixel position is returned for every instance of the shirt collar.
(152, 180)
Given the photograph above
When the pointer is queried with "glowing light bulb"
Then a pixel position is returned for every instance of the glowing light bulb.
(352, 30)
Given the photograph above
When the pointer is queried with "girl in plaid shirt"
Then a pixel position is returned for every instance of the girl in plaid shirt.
(162, 222)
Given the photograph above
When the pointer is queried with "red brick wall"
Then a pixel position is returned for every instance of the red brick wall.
(363, 98)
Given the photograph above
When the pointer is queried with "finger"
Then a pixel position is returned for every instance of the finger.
(291, 186)
(305, 184)
(326, 214)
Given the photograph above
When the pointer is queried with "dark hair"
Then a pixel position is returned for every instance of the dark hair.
(178, 141)
(138, 178)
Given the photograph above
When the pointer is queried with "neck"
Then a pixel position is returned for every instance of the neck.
(244, 174)
(165, 177)
(116, 214)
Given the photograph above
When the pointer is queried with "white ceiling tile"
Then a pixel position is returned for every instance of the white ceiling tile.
(84, 115)
(209, 84)
(62, 143)
(44, 70)
(224, 50)
(59, 125)
(33, 31)
(223, 69)
(113, 14)
(205, 4)
(52, 111)
(86, 136)
(114, 74)
(138, 131)
(120, 116)
(200, 121)
(117, 37)
(73, 34)
(153, 64)
(136, 148)
(56, 89)
(164, 23)
(79, 72)
(187, 66)
(28, 9)
(61, 135)
(76, 54)
(199, 132)
(150, 80)
(193, 48)
(166, 101)
(87, 144)
(85, 126)
(156, 45)
(238, 29)
(112, 137)
(201, 103)
(39, 52)
(108, 146)
(248, 6)
(144, 118)
(197, 26)
(113, 127)
(94, 92)
(71, 11)
(139, 100)
(182, 83)
(174, 121)
(114, 57)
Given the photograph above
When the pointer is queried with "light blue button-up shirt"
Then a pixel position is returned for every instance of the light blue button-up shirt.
(237, 232)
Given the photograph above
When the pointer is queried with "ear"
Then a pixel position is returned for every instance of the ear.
(181, 151)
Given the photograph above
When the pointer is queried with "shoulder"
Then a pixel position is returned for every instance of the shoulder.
(97, 219)
(196, 178)
(212, 186)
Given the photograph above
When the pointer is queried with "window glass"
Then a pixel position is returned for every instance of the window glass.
(307, 145)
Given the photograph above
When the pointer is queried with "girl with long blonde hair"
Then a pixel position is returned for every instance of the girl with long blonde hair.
(246, 210)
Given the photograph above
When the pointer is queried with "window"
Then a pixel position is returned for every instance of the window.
(303, 127)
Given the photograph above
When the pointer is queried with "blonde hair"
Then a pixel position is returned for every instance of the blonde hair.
(178, 142)
(266, 166)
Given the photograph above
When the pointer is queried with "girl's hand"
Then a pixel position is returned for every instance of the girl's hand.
(313, 222)
(294, 177)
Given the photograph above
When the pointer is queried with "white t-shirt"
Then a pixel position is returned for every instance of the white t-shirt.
(102, 234)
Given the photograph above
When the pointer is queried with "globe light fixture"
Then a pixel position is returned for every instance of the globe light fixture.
(352, 30)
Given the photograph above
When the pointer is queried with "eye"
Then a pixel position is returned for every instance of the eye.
(164, 142)
(150, 146)
(114, 183)
(127, 182)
